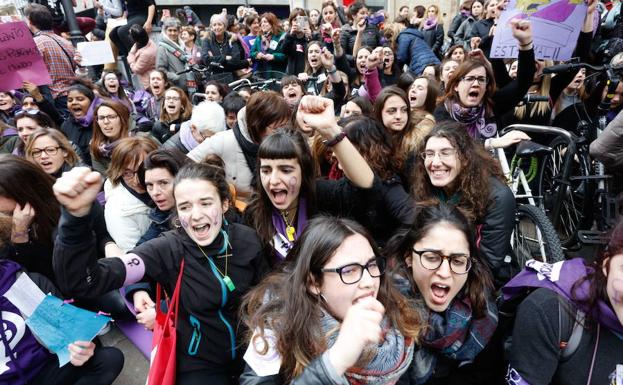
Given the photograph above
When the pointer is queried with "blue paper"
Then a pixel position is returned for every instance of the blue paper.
(57, 325)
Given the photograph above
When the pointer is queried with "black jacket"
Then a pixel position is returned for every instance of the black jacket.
(205, 300)
(481, 29)
(80, 137)
(294, 48)
(458, 19)
(371, 38)
(215, 52)
(434, 38)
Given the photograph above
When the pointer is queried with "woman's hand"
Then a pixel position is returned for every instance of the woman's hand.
(23, 216)
(510, 138)
(522, 31)
(373, 61)
(147, 318)
(77, 189)
(361, 26)
(78, 57)
(142, 301)
(326, 58)
(147, 27)
(319, 114)
(269, 57)
(80, 352)
(361, 327)
(32, 89)
(303, 77)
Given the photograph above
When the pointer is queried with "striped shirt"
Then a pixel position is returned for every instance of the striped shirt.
(59, 61)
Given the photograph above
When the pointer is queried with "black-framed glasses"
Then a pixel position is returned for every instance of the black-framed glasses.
(110, 118)
(353, 272)
(482, 80)
(432, 260)
(52, 150)
(129, 174)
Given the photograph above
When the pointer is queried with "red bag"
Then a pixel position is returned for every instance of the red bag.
(162, 367)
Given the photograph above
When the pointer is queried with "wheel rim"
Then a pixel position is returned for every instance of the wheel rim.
(571, 213)
(528, 242)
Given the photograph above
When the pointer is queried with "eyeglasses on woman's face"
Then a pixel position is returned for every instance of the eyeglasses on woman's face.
(432, 260)
(444, 154)
(50, 151)
(353, 272)
(482, 80)
(110, 118)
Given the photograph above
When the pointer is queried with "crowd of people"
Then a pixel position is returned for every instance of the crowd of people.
(309, 224)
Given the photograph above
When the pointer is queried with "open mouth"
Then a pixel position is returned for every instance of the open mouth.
(439, 174)
(279, 196)
(313, 62)
(292, 95)
(77, 111)
(46, 164)
(201, 231)
(439, 293)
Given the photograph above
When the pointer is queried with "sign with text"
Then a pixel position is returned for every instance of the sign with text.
(19, 58)
(556, 25)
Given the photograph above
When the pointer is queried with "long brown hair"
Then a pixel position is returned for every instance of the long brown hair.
(400, 139)
(477, 167)
(463, 69)
(98, 136)
(479, 285)
(293, 312)
(185, 111)
(24, 182)
(129, 153)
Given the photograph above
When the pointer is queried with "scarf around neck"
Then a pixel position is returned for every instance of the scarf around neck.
(87, 119)
(430, 23)
(560, 278)
(387, 361)
(280, 228)
(454, 334)
(186, 136)
(473, 118)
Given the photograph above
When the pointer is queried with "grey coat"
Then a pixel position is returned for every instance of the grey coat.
(608, 147)
(170, 64)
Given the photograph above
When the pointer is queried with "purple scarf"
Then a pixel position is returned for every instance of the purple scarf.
(430, 23)
(87, 119)
(301, 221)
(473, 118)
(106, 149)
(186, 137)
(560, 278)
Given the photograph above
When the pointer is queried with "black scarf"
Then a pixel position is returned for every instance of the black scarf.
(249, 149)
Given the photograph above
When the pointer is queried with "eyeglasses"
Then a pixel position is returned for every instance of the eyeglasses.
(482, 80)
(432, 260)
(110, 118)
(36, 153)
(353, 272)
(29, 111)
(127, 174)
(172, 98)
(444, 154)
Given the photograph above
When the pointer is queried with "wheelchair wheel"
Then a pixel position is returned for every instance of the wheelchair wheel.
(534, 237)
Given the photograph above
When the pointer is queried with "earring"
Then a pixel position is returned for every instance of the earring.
(177, 223)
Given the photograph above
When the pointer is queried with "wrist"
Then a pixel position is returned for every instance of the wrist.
(80, 211)
(331, 70)
(335, 139)
(334, 359)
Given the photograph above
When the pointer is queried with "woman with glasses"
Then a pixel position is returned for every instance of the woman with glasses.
(331, 316)
(26, 122)
(49, 149)
(127, 201)
(219, 262)
(439, 266)
(109, 127)
(455, 169)
(471, 96)
(176, 109)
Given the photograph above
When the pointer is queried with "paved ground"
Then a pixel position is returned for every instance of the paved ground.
(135, 366)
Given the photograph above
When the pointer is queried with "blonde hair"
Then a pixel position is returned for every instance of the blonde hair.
(540, 108)
(71, 158)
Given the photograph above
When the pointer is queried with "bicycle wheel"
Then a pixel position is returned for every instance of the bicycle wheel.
(534, 237)
(576, 207)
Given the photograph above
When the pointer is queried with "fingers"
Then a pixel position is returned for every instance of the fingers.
(80, 352)
(313, 104)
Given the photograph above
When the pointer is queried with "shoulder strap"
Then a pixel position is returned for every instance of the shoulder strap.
(570, 329)
(71, 60)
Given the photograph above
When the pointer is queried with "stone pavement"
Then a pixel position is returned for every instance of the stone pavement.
(135, 366)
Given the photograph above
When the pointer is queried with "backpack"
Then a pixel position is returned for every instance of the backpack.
(570, 325)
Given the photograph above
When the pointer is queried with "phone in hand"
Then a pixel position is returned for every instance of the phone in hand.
(303, 22)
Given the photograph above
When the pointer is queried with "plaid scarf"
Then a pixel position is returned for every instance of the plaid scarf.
(454, 334)
(384, 363)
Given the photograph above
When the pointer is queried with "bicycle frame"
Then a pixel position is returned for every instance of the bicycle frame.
(571, 140)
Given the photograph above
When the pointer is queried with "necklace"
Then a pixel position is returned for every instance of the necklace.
(226, 245)
(290, 230)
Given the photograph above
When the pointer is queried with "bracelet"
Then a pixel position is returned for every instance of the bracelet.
(334, 70)
(19, 234)
(525, 45)
(336, 139)
(488, 145)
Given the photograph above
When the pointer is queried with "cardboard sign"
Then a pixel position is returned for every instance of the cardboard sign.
(95, 52)
(19, 58)
(556, 25)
